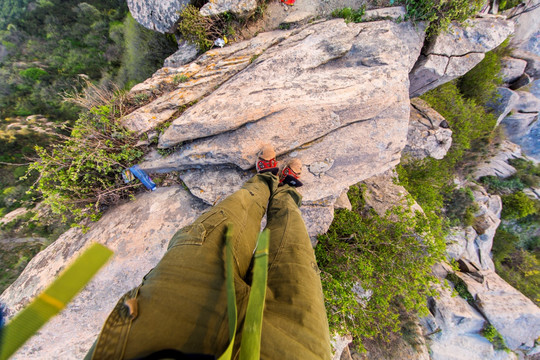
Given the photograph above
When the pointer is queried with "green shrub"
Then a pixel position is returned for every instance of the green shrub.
(349, 14)
(82, 175)
(495, 184)
(517, 206)
(440, 13)
(481, 82)
(460, 207)
(33, 73)
(384, 255)
(460, 287)
(494, 337)
(197, 29)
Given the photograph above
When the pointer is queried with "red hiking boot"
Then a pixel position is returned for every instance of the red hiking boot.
(266, 160)
(291, 174)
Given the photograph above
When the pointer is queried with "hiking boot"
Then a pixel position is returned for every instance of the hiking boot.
(266, 160)
(291, 174)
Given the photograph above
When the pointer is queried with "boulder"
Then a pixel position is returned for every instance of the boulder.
(514, 316)
(503, 103)
(522, 81)
(428, 133)
(454, 53)
(381, 194)
(512, 69)
(527, 23)
(199, 78)
(138, 232)
(453, 330)
(533, 62)
(527, 103)
(518, 125)
(390, 13)
(460, 244)
(240, 8)
(157, 15)
(186, 53)
(312, 88)
(497, 165)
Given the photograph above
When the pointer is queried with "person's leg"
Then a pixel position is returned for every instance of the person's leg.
(295, 324)
(182, 302)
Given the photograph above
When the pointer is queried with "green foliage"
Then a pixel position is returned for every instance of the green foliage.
(389, 256)
(508, 4)
(482, 81)
(471, 125)
(494, 337)
(517, 205)
(497, 185)
(179, 78)
(349, 14)
(33, 73)
(196, 28)
(460, 207)
(460, 287)
(440, 13)
(516, 261)
(83, 175)
(14, 259)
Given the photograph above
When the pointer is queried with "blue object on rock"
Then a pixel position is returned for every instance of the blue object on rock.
(143, 177)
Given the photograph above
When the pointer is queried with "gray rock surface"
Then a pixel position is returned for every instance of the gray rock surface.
(452, 54)
(527, 103)
(526, 23)
(512, 69)
(186, 53)
(524, 130)
(505, 102)
(311, 89)
(157, 15)
(533, 62)
(474, 243)
(497, 165)
(514, 316)
(201, 77)
(389, 13)
(240, 8)
(138, 233)
(426, 137)
(454, 328)
(522, 81)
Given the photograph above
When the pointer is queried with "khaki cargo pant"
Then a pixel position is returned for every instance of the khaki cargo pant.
(182, 302)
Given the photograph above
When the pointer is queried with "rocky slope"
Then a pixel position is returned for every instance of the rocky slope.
(332, 94)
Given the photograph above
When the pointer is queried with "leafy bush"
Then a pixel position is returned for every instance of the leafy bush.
(440, 13)
(494, 337)
(495, 184)
(471, 125)
(482, 81)
(349, 14)
(197, 29)
(460, 207)
(460, 287)
(517, 205)
(370, 264)
(83, 175)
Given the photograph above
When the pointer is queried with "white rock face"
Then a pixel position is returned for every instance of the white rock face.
(512, 69)
(241, 8)
(454, 328)
(452, 54)
(310, 89)
(504, 103)
(428, 134)
(514, 316)
(527, 103)
(157, 15)
(498, 165)
(138, 233)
